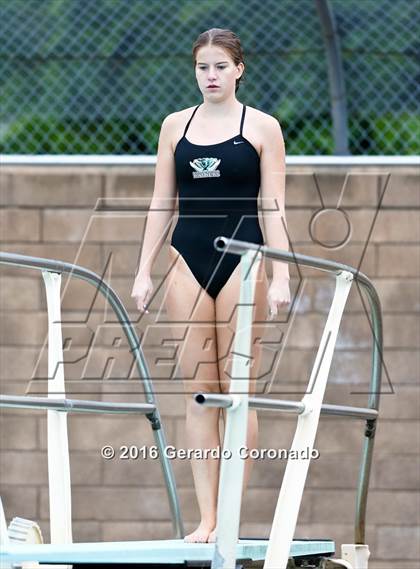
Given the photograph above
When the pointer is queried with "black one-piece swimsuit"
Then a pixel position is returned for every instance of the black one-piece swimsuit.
(218, 186)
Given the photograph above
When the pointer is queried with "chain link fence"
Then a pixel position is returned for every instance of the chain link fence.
(99, 77)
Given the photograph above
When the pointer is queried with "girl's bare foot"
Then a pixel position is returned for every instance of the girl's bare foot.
(201, 534)
(212, 536)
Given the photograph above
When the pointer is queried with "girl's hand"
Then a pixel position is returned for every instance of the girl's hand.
(142, 291)
(278, 295)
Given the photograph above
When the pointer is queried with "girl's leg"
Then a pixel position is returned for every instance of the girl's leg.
(192, 312)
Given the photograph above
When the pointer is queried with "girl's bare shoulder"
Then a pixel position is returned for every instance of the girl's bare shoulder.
(178, 117)
(176, 122)
(259, 127)
(260, 118)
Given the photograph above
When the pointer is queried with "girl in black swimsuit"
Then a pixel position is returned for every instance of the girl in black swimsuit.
(217, 185)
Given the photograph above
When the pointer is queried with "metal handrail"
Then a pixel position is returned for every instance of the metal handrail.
(285, 405)
(224, 244)
(55, 266)
(74, 405)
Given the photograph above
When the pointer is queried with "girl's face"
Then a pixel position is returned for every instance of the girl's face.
(214, 66)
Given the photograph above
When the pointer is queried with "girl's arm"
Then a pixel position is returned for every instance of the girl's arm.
(163, 201)
(273, 186)
(161, 210)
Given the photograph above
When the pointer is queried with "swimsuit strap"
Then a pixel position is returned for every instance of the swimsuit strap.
(242, 119)
(195, 110)
(191, 118)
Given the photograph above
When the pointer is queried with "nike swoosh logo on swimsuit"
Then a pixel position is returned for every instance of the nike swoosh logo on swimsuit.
(238, 142)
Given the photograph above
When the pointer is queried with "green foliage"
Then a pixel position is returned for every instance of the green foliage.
(99, 77)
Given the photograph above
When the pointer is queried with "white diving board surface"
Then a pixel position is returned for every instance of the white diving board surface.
(167, 552)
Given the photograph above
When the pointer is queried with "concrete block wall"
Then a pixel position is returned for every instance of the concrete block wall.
(94, 216)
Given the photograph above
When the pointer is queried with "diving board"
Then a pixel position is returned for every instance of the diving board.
(167, 552)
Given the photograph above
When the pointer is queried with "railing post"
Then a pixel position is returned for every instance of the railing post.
(232, 465)
(58, 449)
(294, 479)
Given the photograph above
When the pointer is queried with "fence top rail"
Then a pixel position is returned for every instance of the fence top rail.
(151, 159)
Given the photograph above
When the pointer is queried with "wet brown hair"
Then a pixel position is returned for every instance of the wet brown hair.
(222, 38)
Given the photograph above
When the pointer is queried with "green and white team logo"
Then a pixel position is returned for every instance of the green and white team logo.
(205, 167)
